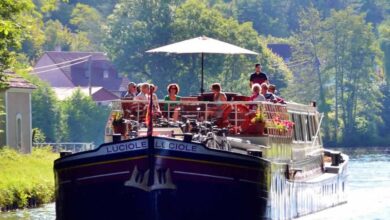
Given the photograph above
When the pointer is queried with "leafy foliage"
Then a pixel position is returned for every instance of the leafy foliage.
(45, 109)
(336, 57)
(84, 120)
(345, 47)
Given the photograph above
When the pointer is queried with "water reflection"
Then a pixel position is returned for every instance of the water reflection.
(43, 213)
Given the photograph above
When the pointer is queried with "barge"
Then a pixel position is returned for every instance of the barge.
(202, 168)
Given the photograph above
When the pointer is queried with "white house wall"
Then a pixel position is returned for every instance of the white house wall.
(18, 102)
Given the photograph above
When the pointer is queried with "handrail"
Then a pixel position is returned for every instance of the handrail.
(201, 110)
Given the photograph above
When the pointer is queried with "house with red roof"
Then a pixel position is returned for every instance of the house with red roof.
(63, 69)
(16, 124)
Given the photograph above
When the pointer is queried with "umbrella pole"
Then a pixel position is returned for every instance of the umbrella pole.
(201, 83)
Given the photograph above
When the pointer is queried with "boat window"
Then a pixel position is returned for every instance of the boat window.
(315, 124)
(292, 118)
(309, 129)
(303, 128)
(297, 127)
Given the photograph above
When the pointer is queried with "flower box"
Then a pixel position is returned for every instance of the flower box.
(256, 128)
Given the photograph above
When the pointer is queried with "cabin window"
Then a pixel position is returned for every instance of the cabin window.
(105, 74)
(19, 131)
(315, 125)
(308, 128)
(295, 135)
(297, 127)
(303, 128)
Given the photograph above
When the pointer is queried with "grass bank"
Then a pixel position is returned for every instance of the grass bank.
(26, 180)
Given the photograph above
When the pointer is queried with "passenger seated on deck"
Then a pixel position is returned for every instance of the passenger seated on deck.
(172, 89)
(144, 94)
(274, 98)
(131, 91)
(156, 106)
(264, 89)
(256, 96)
(218, 96)
(139, 88)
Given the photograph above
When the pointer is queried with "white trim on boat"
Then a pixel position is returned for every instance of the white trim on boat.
(103, 175)
(204, 175)
(249, 181)
(65, 181)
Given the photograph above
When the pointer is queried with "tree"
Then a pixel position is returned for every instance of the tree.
(59, 37)
(137, 26)
(88, 22)
(85, 121)
(194, 18)
(13, 30)
(351, 57)
(384, 37)
(309, 82)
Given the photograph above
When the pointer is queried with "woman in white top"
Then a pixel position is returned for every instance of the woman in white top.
(256, 96)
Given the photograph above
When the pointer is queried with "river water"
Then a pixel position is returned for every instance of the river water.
(368, 186)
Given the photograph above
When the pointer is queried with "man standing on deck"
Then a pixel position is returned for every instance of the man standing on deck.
(258, 76)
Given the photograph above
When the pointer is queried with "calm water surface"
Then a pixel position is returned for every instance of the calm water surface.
(369, 191)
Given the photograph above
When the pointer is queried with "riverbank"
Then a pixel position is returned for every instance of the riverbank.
(26, 180)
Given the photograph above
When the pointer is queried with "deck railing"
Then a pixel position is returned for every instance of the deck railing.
(234, 111)
(74, 147)
(235, 116)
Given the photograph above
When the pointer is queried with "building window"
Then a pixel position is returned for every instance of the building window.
(105, 74)
(19, 131)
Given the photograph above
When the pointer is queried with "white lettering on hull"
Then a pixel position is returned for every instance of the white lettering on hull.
(127, 146)
(176, 146)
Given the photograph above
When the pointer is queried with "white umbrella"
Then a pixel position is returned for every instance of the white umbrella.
(201, 45)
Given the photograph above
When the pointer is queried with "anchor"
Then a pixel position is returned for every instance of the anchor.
(162, 180)
(141, 182)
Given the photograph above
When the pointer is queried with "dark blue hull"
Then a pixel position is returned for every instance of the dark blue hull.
(192, 202)
(163, 183)
(165, 179)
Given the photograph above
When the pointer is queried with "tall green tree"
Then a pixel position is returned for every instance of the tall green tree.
(194, 18)
(13, 30)
(137, 26)
(89, 23)
(60, 37)
(384, 37)
(309, 82)
(351, 59)
(85, 121)
(341, 72)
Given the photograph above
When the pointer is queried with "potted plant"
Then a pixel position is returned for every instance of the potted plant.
(257, 124)
(118, 123)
